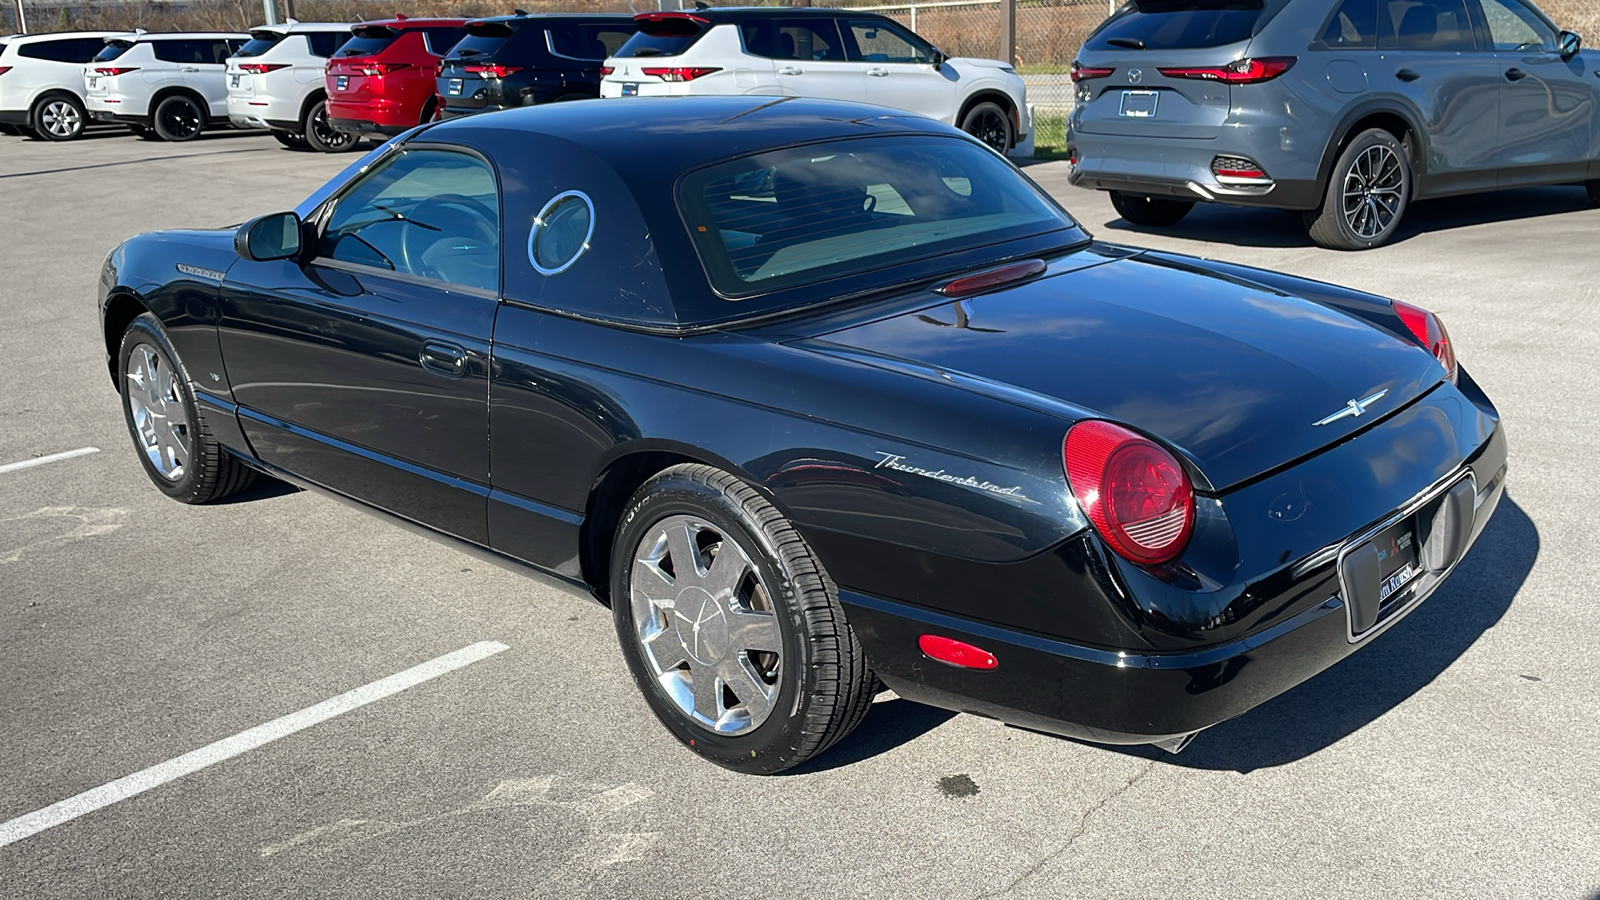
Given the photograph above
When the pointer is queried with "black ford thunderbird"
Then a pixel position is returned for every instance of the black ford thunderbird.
(819, 398)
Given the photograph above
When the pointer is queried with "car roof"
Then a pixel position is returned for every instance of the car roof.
(719, 14)
(137, 36)
(409, 23)
(530, 17)
(20, 39)
(302, 27)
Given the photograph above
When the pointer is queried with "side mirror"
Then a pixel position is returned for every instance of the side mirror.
(1569, 44)
(938, 58)
(277, 236)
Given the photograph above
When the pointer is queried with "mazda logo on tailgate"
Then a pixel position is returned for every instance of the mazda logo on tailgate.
(1134, 76)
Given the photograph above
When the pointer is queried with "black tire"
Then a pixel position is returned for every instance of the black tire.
(1366, 195)
(431, 112)
(821, 686)
(324, 138)
(1594, 191)
(291, 140)
(1150, 212)
(179, 118)
(59, 117)
(144, 133)
(992, 125)
(209, 473)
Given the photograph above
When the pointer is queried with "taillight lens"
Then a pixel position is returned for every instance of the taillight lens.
(1136, 494)
(681, 73)
(262, 68)
(1243, 71)
(4, 69)
(379, 68)
(1080, 72)
(1429, 332)
(116, 70)
(492, 71)
(607, 70)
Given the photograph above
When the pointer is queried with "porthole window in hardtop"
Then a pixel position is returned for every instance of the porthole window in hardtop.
(561, 232)
(426, 213)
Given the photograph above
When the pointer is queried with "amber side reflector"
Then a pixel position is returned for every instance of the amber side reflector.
(955, 653)
(977, 283)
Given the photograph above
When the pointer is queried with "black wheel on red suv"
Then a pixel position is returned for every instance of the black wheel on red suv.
(322, 136)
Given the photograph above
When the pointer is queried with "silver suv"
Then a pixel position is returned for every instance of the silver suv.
(1342, 110)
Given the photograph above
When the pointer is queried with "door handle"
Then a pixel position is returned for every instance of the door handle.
(1515, 74)
(444, 359)
(878, 73)
(791, 70)
(1407, 75)
(188, 69)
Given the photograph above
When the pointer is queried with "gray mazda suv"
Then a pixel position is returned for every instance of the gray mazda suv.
(1342, 110)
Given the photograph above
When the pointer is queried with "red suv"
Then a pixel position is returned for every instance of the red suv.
(381, 81)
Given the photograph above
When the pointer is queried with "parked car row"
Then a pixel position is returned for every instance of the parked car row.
(328, 85)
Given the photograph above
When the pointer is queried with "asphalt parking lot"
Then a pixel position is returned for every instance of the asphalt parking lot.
(1452, 757)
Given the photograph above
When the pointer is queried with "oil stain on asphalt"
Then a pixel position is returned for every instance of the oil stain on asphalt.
(958, 785)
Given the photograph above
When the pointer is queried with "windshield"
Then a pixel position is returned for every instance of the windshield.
(807, 214)
(260, 42)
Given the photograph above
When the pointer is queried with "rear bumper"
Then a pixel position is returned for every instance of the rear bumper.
(13, 117)
(362, 126)
(250, 112)
(1181, 168)
(1135, 696)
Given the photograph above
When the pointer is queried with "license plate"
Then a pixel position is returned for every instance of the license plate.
(630, 90)
(233, 81)
(1397, 558)
(341, 83)
(1140, 104)
(453, 87)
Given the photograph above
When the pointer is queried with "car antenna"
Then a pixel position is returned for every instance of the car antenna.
(701, 4)
(400, 17)
(518, 12)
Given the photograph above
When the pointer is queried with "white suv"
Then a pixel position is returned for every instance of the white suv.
(275, 82)
(833, 54)
(41, 82)
(174, 84)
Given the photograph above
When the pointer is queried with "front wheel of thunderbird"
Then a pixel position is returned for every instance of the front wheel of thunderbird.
(168, 430)
(730, 625)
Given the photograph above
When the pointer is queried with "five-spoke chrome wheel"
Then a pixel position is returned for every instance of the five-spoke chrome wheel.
(1373, 189)
(159, 415)
(705, 621)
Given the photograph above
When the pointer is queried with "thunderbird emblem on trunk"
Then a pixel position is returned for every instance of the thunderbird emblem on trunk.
(1353, 408)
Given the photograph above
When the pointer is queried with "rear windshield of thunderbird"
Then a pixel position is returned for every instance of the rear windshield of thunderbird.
(807, 214)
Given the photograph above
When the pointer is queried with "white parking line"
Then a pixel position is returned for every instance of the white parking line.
(41, 460)
(195, 760)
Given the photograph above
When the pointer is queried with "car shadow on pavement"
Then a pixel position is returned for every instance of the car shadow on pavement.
(1377, 678)
(263, 488)
(889, 724)
(1245, 227)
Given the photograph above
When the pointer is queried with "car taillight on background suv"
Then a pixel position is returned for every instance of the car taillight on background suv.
(1243, 71)
(1136, 494)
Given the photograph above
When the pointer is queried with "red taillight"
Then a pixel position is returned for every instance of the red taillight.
(607, 70)
(967, 285)
(491, 71)
(378, 68)
(681, 73)
(4, 69)
(1429, 332)
(262, 68)
(1243, 71)
(116, 70)
(1079, 73)
(1237, 167)
(956, 653)
(1136, 494)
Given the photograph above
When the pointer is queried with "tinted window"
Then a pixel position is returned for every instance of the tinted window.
(810, 38)
(194, 51)
(440, 40)
(588, 40)
(805, 214)
(111, 51)
(1178, 24)
(878, 41)
(326, 43)
(1427, 25)
(75, 50)
(667, 36)
(482, 39)
(1514, 27)
(428, 213)
(368, 41)
(1354, 25)
(259, 43)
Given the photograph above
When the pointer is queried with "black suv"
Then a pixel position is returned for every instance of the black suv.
(523, 59)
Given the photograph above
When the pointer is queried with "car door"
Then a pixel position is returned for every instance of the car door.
(899, 69)
(1430, 54)
(808, 56)
(1547, 107)
(202, 67)
(363, 366)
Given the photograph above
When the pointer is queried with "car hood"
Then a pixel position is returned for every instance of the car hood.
(1234, 375)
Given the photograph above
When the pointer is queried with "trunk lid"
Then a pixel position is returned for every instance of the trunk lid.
(1233, 375)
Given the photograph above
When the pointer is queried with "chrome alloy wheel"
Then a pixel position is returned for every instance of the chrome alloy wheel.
(1373, 191)
(704, 618)
(60, 118)
(160, 418)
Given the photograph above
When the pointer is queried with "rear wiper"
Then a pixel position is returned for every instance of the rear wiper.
(468, 51)
(1130, 43)
(647, 51)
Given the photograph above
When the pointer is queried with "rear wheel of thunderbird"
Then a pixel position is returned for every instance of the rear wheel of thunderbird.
(730, 625)
(168, 431)
(1151, 212)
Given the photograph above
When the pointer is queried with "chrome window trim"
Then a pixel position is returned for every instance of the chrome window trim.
(538, 225)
